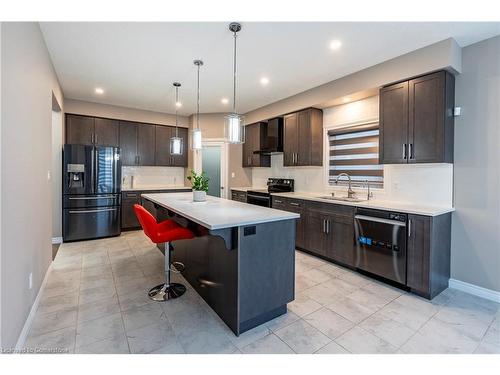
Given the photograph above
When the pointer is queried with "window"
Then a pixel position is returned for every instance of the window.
(354, 150)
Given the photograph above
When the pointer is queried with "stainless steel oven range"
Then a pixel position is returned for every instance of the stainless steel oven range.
(262, 197)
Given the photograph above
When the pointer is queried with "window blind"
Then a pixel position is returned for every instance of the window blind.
(354, 150)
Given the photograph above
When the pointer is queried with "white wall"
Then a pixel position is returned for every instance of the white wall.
(429, 183)
(475, 256)
(28, 81)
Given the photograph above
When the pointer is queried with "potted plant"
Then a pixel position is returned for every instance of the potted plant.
(200, 186)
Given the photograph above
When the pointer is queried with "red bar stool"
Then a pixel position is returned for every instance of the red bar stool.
(163, 232)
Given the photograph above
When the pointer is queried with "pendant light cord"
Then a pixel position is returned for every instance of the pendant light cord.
(176, 117)
(198, 102)
(234, 74)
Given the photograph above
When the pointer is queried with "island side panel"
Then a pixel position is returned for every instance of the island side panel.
(266, 271)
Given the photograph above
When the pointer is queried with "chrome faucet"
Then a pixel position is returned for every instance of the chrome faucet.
(369, 194)
(350, 192)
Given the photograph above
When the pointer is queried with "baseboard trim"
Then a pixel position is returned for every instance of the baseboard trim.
(479, 291)
(21, 341)
(56, 240)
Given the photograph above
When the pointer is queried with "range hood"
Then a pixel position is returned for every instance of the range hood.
(272, 140)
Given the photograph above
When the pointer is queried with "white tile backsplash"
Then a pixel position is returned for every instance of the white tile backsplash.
(429, 184)
(152, 177)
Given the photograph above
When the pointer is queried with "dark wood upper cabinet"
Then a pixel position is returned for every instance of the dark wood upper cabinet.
(254, 141)
(79, 130)
(416, 120)
(303, 138)
(430, 122)
(393, 113)
(128, 142)
(137, 143)
(91, 131)
(290, 139)
(181, 160)
(106, 132)
(162, 146)
(146, 144)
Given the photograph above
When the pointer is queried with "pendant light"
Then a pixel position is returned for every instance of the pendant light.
(176, 143)
(196, 133)
(234, 129)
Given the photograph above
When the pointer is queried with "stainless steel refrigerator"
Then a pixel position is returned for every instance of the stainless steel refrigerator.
(91, 192)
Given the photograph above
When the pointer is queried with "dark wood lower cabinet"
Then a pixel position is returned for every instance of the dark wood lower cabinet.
(340, 231)
(324, 230)
(428, 254)
(238, 195)
(129, 198)
(327, 230)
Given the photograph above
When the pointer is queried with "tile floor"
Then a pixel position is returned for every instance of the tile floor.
(95, 302)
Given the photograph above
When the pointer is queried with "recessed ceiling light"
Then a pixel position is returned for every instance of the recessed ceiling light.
(335, 44)
(99, 91)
(224, 100)
(178, 104)
(264, 81)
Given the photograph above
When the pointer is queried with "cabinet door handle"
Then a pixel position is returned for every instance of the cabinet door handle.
(410, 151)
(324, 226)
(297, 158)
(95, 139)
(404, 151)
(409, 227)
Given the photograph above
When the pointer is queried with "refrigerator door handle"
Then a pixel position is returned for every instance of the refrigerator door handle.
(97, 197)
(93, 211)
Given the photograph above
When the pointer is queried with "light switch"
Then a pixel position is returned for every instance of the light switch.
(48, 175)
(232, 174)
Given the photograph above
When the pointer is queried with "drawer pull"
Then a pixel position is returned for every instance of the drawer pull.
(294, 204)
(277, 201)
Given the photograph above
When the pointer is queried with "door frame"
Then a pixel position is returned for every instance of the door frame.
(224, 158)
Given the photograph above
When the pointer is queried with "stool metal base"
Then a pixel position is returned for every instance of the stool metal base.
(164, 292)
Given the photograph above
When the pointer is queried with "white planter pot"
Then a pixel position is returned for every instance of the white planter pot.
(199, 196)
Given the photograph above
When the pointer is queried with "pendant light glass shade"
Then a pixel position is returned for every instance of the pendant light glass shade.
(196, 139)
(234, 127)
(176, 142)
(176, 146)
(196, 143)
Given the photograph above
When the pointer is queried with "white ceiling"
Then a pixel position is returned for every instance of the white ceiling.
(136, 63)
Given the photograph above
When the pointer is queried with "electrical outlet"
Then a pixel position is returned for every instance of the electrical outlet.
(30, 281)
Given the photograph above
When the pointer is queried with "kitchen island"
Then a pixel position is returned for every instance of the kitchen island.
(242, 259)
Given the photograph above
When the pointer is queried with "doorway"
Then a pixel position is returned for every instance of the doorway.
(214, 164)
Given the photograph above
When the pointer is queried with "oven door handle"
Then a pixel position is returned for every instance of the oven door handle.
(380, 220)
(257, 197)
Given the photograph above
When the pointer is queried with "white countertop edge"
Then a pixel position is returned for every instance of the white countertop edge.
(286, 216)
(156, 188)
(247, 188)
(374, 204)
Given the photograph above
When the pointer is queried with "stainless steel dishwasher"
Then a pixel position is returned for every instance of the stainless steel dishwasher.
(381, 243)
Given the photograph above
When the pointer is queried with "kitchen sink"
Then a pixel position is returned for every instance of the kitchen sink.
(343, 199)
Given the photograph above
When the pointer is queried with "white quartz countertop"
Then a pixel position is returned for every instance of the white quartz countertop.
(246, 188)
(417, 209)
(218, 213)
(146, 188)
